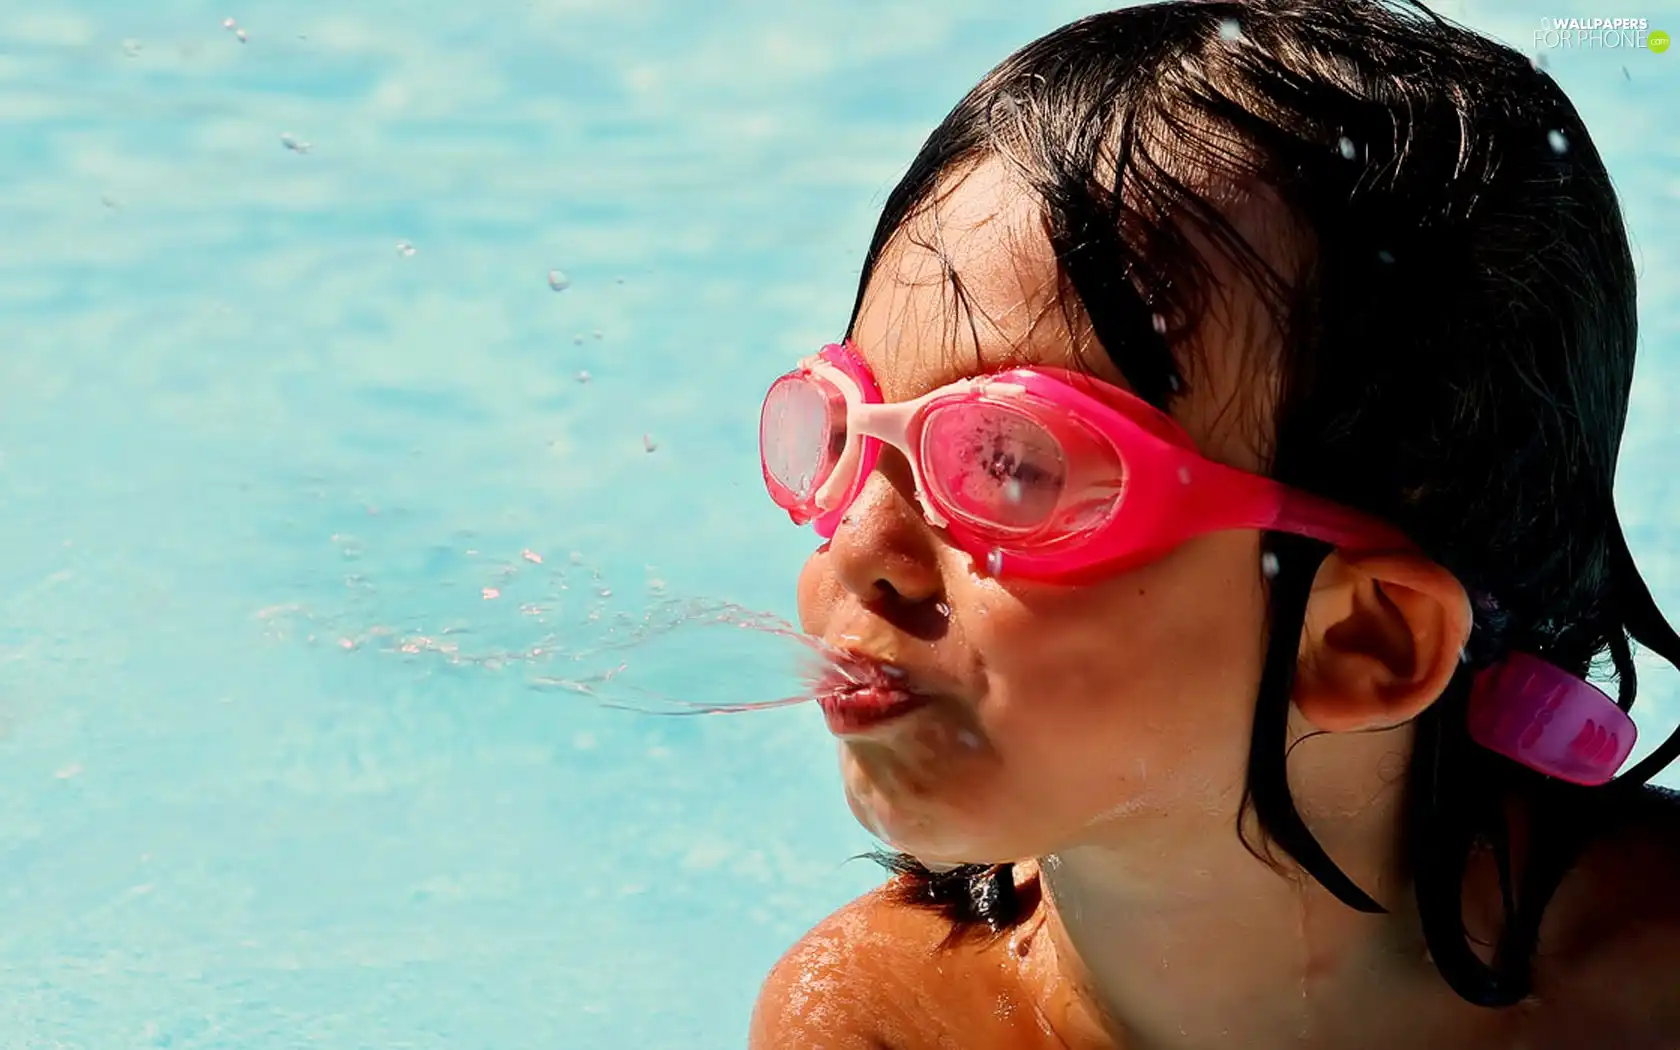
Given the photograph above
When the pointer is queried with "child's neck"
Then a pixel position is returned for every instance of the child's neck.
(1186, 940)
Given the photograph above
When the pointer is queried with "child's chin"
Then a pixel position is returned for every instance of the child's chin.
(938, 853)
(939, 867)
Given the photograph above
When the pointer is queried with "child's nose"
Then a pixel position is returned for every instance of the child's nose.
(884, 549)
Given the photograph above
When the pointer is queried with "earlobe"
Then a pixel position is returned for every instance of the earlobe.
(1382, 638)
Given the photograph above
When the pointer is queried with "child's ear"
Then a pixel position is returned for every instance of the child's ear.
(1383, 637)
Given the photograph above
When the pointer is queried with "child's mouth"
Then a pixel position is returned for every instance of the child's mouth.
(858, 693)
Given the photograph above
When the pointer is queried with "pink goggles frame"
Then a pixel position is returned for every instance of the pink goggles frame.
(1164, 492)
(1525, 709)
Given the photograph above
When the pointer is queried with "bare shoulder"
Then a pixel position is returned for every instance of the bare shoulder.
(1620, 909)
(851, 982)
(883, 974)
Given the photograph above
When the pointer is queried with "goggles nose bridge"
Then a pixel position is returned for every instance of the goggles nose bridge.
(895, 425)
(890, 424)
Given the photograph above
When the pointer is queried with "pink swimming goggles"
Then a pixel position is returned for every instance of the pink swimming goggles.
(1050, 475)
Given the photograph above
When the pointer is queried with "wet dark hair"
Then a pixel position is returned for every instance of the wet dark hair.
(1456, 359)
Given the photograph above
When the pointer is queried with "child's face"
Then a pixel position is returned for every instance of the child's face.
(1121, 707)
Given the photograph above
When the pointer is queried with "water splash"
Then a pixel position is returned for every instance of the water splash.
(708, 645)
(564, 629)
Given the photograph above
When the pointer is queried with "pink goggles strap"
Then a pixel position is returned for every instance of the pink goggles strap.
(1545, 718)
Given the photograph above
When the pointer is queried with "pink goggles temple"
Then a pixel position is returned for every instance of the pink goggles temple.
(1545, 718)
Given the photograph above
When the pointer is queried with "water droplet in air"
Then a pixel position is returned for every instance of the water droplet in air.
(558, 281)
(131, 48)
(648, 443)
(1184, 475)
(576, 558)
(228, 23)
(605, 592)
(405, 249)
(577, 340)
(1559, 143)
(1013, 491)
(240, 33)
(1175, 384)
(994, 562)
(1230, 30)
(1385, 256)
(293, 143)
(1159, 323)
(1269, 565)
(583, 377)
(1347, 148)
(596, 333)
(1626, 75)
(491, 592)
(618, 280)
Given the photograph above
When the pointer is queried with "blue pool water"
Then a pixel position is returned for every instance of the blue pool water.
(234, 415)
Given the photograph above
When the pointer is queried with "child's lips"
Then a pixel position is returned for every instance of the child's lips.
(860, 693)
(859, 708)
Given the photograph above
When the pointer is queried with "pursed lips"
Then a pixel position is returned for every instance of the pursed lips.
(857, 691)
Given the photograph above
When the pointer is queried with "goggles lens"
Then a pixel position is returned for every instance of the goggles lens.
(801, 434)
(993, 467)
